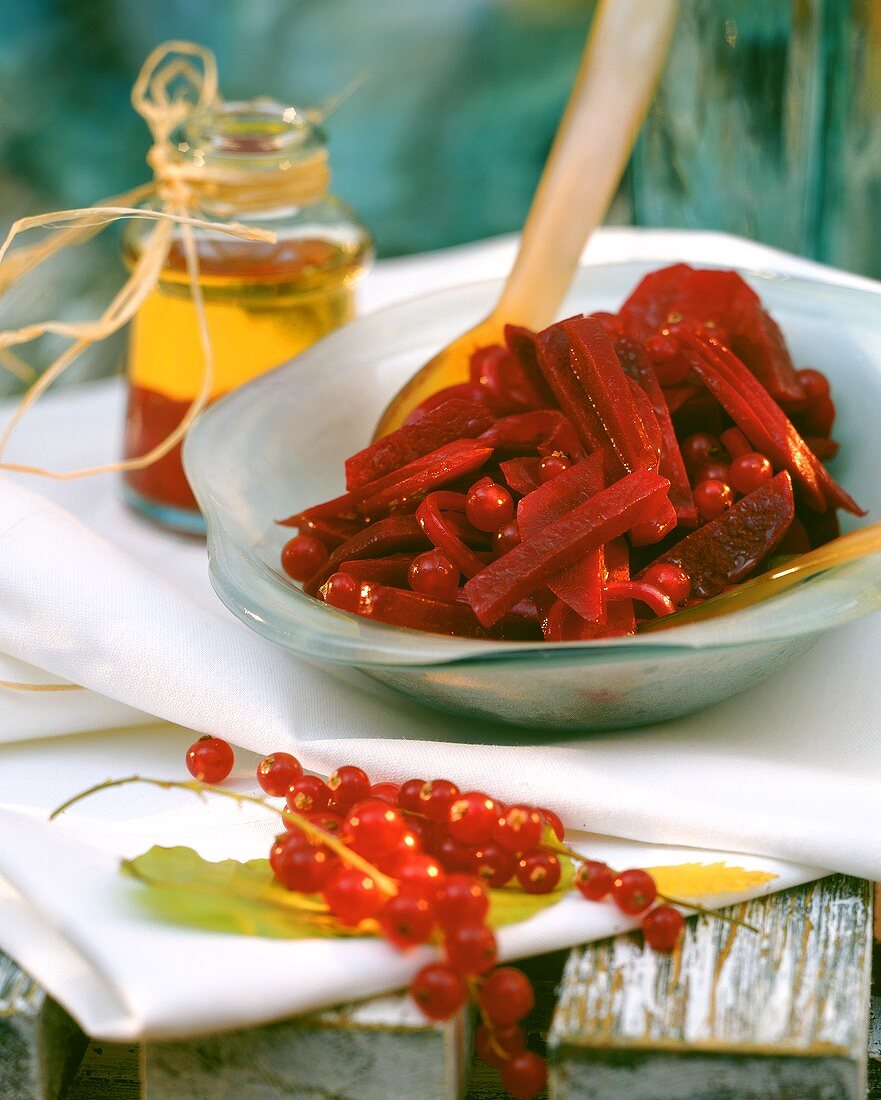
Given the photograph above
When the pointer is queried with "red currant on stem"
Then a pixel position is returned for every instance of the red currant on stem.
(419, 873)
(538, 872)
(327, 820)
(435, 799)
(408, 795)
(407, 920)
(488, 506)
(634, 891)
(519, 828)
(670, 578)
(507, 537)
(472, 817)
(815, 384)
(471, 948)
(554, 821)
(460, 899)
(301, 867)
(713, 498)
(303, 556)
(552, 466)
(594, 879)
(525, 1075)
(388, 792)
(433, 574)
(375, 829)
(308, 794)
(750, 472)
(712, 470)
(276, 773)
(700, 448)
(493, 864)
(342, 591)
(210, 759)
(352, 895)
(439, 991)
(506, 996)
(347, 786)
(495, 1046)
(662, 927)
(454, 855)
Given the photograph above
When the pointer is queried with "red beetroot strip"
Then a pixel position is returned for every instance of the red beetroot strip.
(634, 499)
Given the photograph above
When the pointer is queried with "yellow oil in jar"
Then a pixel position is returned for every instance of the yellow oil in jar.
(262, 306)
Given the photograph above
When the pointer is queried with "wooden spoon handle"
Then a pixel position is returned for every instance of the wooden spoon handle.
(620, 67)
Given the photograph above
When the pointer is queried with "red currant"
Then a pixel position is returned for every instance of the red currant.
(419, 873)
(303, 556)
(506, 996)
(281, 842)
(325, 819)
(407, 920)
(634, 891)
(552, 467)
(700, 448)
(374, 828)
(388, 792)
(488, 506)
(342, 591)
(538, 872)
(660, 348)
(488, 1043)
(421, 830)
(519, 828)
(433, 574)
(714, 470)
(308, 795)
(815, 384)
(493, 864)
(670, 578)
(435, 799)
(507, 537)
(471, 948)
(439, 991)
(472, 817)
(713, 498)
(454, 855)
(210, 759)
(352, 895)
(461, 899)
(525, 1075)
(750, 472)
(302, 867)
(594, 879)
(347, 786)
(408, 795)
(662, 927)
(554, 821)
(276, 773)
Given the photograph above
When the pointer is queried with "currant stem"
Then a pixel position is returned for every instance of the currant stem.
(386, 884)
(564, 849)
(474, 985)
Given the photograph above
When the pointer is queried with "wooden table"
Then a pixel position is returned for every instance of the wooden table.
(731, 1015)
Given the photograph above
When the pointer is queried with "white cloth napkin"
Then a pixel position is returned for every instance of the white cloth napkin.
(790, 771)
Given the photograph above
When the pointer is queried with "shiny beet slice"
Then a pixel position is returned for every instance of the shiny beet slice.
(457, 418)
(392, 570)
(636, 498)
(413, 482)
(522, 474)
(521, 342)
(388, 536)
(727, 549)
(501, 377)
(539, 429)
(552, 346)
(438, 530)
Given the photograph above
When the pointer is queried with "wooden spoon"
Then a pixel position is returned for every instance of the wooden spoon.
(621, 65)
(840, 551)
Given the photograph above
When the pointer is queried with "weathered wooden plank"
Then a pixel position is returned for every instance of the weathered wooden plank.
(109, 1071)
(875, 1040)
(40, 1046)
(731, 1014)
(382, 1049)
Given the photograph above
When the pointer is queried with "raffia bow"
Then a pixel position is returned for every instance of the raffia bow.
(177, 79)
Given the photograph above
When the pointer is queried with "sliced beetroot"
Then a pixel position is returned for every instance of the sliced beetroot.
(605, 385)
(735, 442)
(723, 299)
(532, 430)
(332, 532)
(387, 536)
(393, 570)
(522, 474)
(431, 518)
(522, 343)
(620, 616)
(824, 449)
(727, 549)
(399, 607)
(552, 345)
(501, 376)
(461, 391)
(517, 574)
(637, 366)
(413, 482)
(457, 418)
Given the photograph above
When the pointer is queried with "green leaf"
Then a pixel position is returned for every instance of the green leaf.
(243, 898)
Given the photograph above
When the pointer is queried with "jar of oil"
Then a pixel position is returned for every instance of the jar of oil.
(263, 302)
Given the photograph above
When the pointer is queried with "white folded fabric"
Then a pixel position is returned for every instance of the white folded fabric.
(790, 771)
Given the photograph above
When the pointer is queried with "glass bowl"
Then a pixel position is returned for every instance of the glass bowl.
(278, 444)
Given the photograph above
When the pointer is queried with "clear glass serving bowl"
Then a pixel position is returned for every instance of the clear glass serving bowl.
(278, 444)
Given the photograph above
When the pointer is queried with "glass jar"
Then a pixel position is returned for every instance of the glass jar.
(263, 302)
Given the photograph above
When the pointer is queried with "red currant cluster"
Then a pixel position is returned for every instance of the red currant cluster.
(418, 859)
